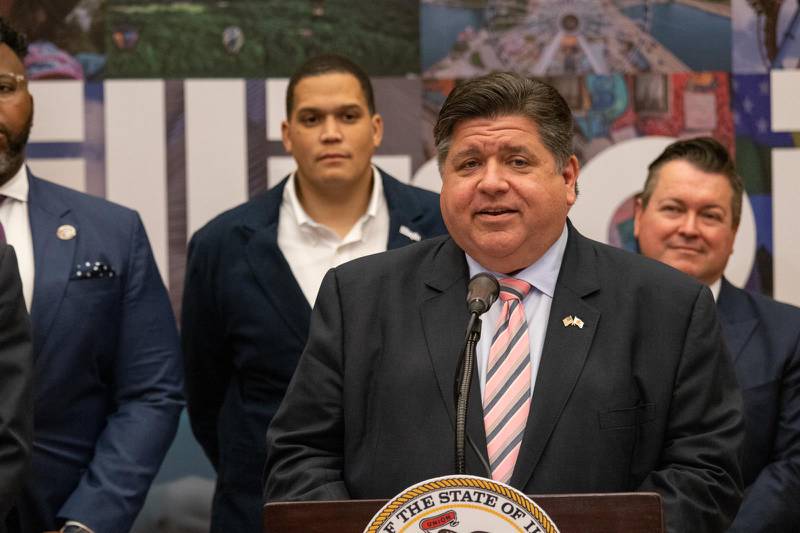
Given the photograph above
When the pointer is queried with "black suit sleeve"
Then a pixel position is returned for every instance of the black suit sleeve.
(208, 366)
(16, 368)
(700, 478)
(306, 438)
(772, 502)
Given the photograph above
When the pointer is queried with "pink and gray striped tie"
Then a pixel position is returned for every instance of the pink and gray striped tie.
(507, 391)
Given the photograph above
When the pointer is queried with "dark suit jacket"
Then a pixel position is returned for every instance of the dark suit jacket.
(763, 337)
(16, 372)
(107, 365)
(643, 397)
(244, 325)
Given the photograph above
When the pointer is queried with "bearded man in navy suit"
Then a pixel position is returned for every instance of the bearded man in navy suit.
(108, 381)
(254, 271)
(687, 217)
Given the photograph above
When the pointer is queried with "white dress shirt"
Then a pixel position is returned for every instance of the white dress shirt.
(542, 275)
(715, 287)
(311, 249)
(17, 225)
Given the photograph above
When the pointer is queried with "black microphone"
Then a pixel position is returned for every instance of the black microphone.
(482, 292)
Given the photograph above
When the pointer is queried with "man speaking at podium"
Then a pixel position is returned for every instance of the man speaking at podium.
(597, 370)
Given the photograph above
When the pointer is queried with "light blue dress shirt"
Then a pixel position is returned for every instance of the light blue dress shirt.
(542, 275)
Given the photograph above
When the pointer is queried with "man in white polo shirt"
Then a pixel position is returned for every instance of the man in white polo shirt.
(253, 272)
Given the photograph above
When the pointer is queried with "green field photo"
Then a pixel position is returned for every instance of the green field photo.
(258, 38)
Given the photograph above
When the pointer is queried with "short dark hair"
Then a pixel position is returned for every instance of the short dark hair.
(326, 64)
(502, 94)
(13, 39)
(706, 154)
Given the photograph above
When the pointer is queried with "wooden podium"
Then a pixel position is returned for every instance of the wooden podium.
(638, 512)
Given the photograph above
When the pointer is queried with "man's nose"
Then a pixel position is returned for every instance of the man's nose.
(331, 131)
(493, 180)
(688, 227)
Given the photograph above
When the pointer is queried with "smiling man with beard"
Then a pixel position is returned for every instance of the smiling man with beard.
(16, 357)
(107, 382)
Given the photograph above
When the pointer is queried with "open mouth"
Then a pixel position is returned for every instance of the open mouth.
(496, 212)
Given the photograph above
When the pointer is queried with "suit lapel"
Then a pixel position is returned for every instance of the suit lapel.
(273, 272)
(53, 257)
(404, 213)
(269, 266)
(737, 318)
(564, 352)
(445, 328)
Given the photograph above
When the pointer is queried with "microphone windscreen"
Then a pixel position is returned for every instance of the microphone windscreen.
(482, 291)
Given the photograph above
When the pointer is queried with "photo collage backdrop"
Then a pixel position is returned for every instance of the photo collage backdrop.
(174, 107)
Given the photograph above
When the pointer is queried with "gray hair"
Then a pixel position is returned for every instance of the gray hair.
(503, 94)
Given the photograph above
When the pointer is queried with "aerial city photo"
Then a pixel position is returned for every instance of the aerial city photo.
(568, 37)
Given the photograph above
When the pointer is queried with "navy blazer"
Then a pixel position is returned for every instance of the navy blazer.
(763, 337)
(245, 322)
(108, 378)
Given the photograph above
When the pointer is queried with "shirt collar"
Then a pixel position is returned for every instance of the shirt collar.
(542, 274)
(303, 219)
(715, 287)
(17, 187)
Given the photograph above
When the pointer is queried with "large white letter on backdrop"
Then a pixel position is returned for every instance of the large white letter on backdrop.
(785, 86)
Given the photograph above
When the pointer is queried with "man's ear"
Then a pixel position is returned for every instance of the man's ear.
(570, 175)
(638, 209)
(377, 129)
(287, 142)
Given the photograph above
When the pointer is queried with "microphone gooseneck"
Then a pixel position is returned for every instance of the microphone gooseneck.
(482, 292)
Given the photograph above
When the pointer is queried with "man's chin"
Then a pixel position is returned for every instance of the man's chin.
(343, 176)
(9, 166)
(688, 266)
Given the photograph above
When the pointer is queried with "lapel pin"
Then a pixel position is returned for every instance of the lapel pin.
(568, 321)
(578, 322)
(411, 234)
(66, 232)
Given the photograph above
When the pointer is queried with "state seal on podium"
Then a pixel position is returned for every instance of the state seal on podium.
(461, 504)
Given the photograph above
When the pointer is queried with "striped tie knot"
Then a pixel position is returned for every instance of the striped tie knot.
(514, 289)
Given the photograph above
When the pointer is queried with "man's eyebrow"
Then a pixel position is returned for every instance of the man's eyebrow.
(704, 207)
(516, 149)
(339, 109)
(470, 151)
(521, 149)
(673, 200)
